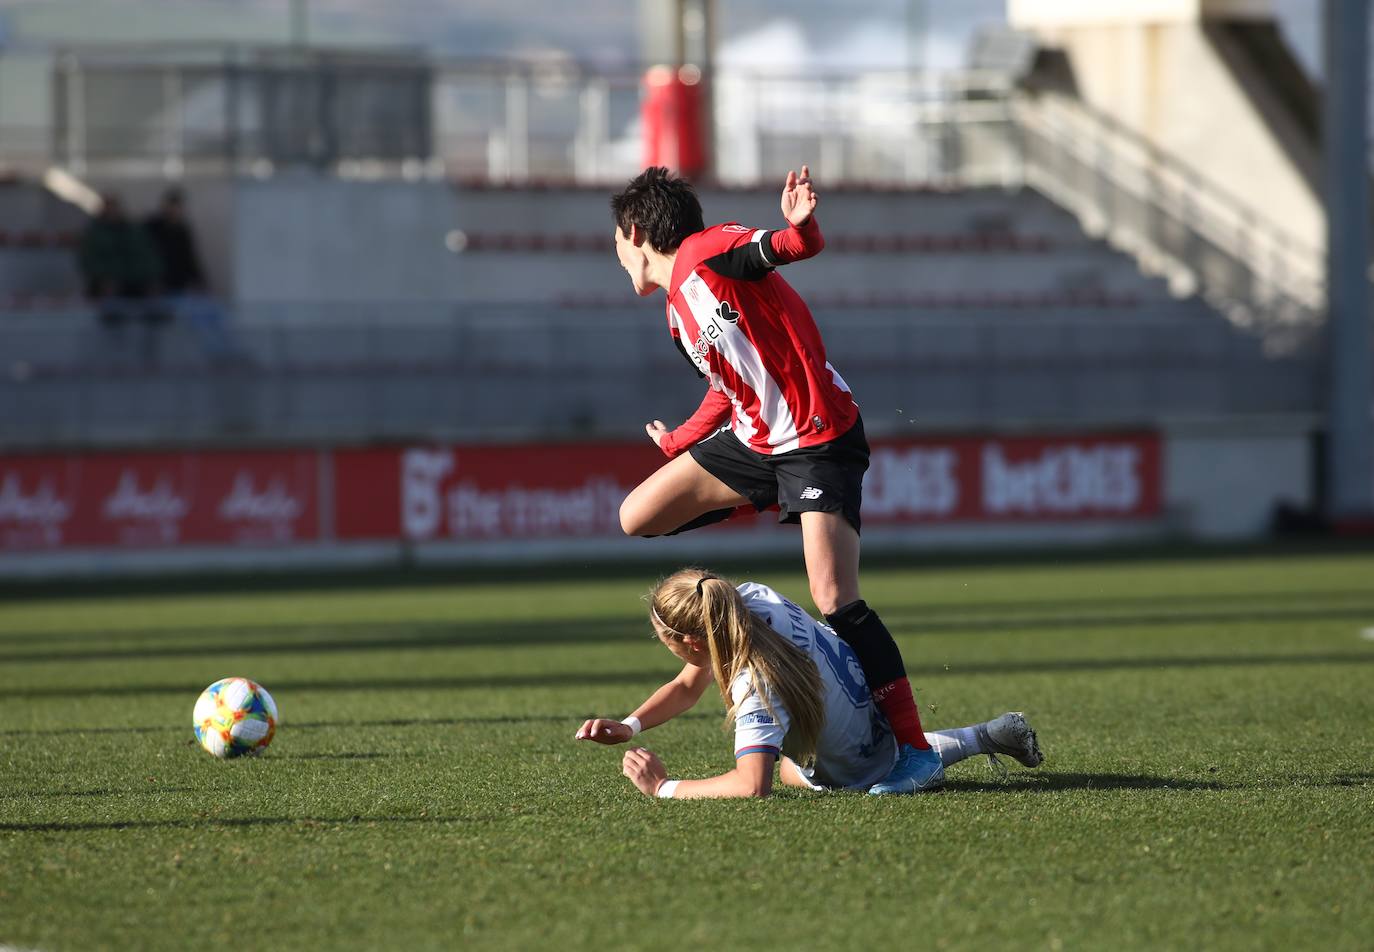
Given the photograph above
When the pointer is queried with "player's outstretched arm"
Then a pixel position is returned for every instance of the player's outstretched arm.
(752, 777)
(676, 697)
(803, 240)
(709, 416)
(799, 197)
(604, 730)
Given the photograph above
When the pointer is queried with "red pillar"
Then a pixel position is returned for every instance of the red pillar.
(673, 120)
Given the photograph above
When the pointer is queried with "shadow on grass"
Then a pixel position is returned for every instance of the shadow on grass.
(212, 822)
(523, 682)
(458, 683)
(1044, 782)
(104, 792)
(982, 618)
(476, 720)
(1351, 780)
(75, 731)
(648, 564)
(1056, 782)
(343, 755)
(336, 637)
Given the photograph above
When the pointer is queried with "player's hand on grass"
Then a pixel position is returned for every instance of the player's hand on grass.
(657, 431)
(798, 197)
(603, 730)
(644, 769)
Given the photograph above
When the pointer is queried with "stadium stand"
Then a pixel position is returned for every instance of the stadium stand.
(950, 308)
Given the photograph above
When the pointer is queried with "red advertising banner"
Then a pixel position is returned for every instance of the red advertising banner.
(158, 499)
(487, 492)
(476, 493)
(997, 479)
(496, 492)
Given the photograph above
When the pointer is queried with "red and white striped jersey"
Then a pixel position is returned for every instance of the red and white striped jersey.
(753, 337)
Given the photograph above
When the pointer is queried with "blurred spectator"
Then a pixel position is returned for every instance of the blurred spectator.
(184, 288)
(121, 270)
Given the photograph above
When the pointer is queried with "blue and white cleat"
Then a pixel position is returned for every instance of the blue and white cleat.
(914, 772)
(1010, 735)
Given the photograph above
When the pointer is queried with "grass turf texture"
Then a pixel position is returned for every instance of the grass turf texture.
(1208, 781)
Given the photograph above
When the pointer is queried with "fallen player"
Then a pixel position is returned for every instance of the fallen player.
(794, 691)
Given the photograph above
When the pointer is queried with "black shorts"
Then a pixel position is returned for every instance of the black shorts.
(828, 477)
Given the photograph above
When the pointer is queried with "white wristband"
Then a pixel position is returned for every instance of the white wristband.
(633, 724)
(666, 789)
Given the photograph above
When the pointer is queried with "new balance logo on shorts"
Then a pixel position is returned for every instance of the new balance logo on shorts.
(811, 492)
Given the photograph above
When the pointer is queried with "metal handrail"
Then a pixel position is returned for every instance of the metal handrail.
(1272, 280)
(1165, 159)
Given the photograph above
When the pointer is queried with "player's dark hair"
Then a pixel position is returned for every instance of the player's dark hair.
(701, 604)
(664, 206)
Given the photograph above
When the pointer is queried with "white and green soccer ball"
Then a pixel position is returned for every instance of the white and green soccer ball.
(235, 716)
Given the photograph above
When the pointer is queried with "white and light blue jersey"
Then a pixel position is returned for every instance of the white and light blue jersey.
(855, 747)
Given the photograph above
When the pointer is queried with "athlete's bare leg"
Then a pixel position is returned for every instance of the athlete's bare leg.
(831, 547)
(675, 494)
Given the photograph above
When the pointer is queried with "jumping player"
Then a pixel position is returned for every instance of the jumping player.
(778, 426)
(792, 689)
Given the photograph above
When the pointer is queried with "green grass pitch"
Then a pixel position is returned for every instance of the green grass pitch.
(1209, 780)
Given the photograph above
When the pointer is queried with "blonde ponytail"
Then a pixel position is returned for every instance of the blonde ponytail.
(698, 603)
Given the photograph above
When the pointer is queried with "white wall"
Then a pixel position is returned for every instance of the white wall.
(1024, 13)
(317, 239)
(1223, 481)
(306, 239)
(1151, 66)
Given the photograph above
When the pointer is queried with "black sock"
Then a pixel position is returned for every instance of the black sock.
(864, 631)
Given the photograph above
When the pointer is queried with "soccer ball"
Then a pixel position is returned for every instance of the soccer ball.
(235, 716)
